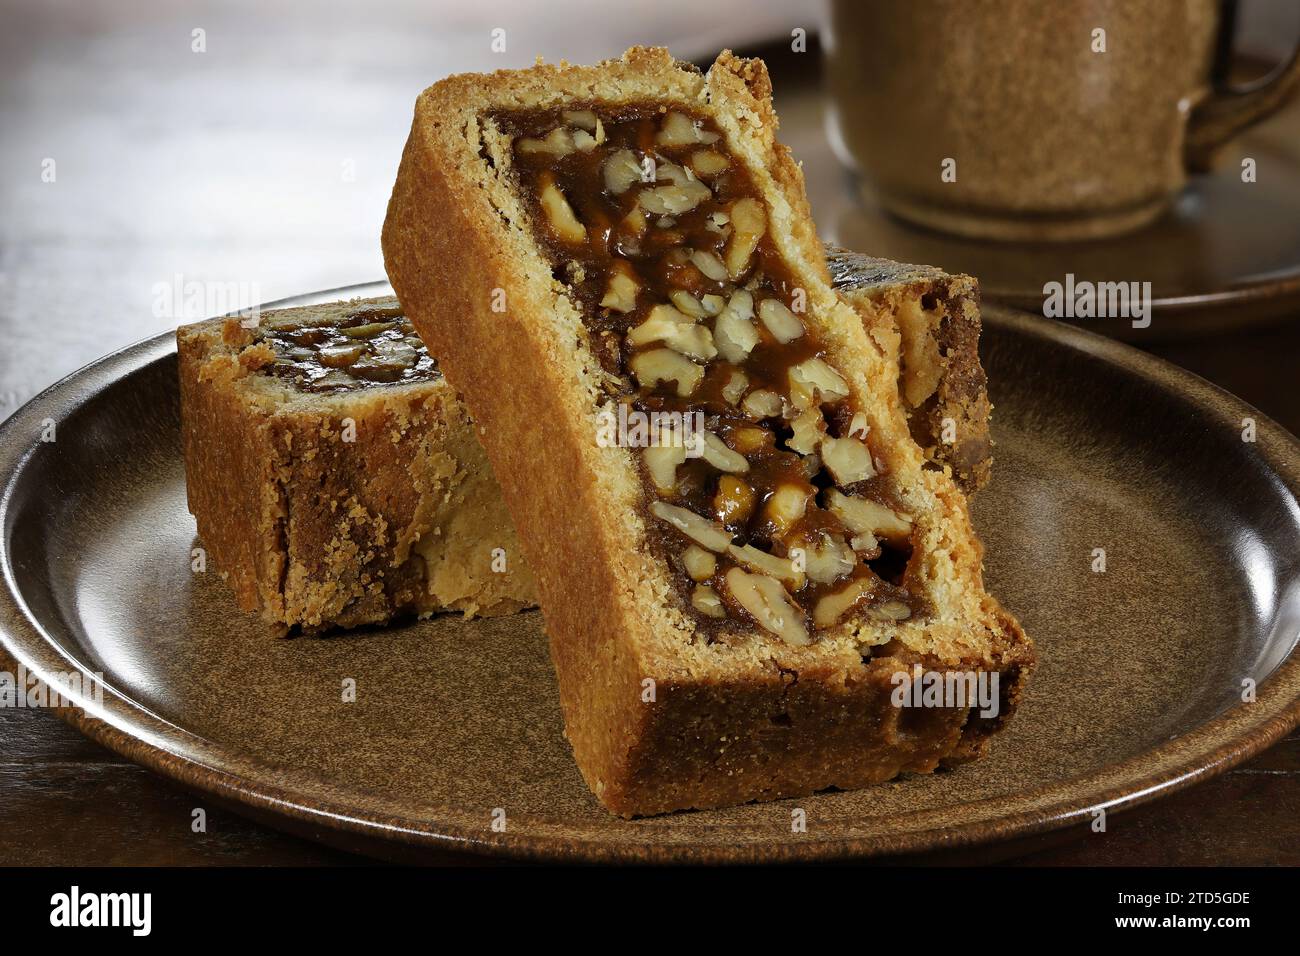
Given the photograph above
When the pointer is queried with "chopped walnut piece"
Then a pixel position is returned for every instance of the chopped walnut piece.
(676, 330)
(717, 454)
(621, 171)
(769, 604)
(813, 377)
(559, 214)
(665, 365)
(750, 224)
(848, 459)
(834, 606)
(708, 163)
(700, 564)
(699, 530)
(558, 142)
(620, 294)
(661, 462)
(780, 321)
(734, 331)
(678, 129)
(865, 516)
(675, 199)
(705, 600)
(734, 502)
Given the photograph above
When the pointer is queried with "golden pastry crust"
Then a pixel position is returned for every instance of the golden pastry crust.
(928, 324)
(316, 531)
(659, 716)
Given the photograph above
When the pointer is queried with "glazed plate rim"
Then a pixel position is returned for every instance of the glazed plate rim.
(308, 803)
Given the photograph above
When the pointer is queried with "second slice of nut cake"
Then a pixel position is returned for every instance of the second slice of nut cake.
(334, 475)
(783, 514)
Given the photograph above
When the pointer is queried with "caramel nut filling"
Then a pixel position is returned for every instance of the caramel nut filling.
(373, 346)
(783, 518)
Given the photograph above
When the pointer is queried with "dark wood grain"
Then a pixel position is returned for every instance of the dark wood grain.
(65, 800)
(227, 167)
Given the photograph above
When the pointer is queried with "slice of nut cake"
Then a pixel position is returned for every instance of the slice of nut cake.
(729, 608)
(335, 477)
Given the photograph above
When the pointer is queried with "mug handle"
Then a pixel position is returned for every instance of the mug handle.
(1230, 109)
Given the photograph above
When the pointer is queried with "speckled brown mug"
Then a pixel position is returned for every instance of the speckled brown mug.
(1035, 119)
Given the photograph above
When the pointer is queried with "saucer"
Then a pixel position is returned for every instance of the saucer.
(1226, 254)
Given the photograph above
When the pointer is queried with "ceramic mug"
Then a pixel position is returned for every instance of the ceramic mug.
(1035, 119)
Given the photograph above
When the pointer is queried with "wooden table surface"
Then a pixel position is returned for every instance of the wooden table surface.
(260, 166)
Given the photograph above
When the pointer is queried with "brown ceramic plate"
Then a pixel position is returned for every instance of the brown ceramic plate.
(1139, 691)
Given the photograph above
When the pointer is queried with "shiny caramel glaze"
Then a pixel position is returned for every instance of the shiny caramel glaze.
(620, 235)
(371, 347)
